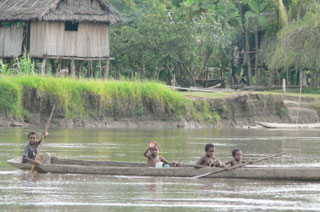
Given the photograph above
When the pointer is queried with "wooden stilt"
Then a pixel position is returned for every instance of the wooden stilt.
(80, 68)
(53, 68)
(88, 72)
(106, 69)
(73, 69)
(63, 64)
(44, 66)
(91, 69)
(100, 67)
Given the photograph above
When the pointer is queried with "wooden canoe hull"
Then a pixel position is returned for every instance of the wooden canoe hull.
(306, 174)
(284, 125)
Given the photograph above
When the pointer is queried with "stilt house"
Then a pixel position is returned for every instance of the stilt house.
(56, 29)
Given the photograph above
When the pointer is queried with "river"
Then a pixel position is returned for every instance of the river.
(20, 191)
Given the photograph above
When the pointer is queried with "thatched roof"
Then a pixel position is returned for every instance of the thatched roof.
(58, 10)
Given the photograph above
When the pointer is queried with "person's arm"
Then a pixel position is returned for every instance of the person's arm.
(229, 163)
(171, 164)
(45, 134)
(218, 163)
(164, 160)
(199, 165)
(25, 155)
(146, 152)
(249, 162)
(175, 164)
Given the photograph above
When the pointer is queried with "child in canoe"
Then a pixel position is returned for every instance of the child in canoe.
(208, 159)
(237, 158)
(154, 160)
(31, 149)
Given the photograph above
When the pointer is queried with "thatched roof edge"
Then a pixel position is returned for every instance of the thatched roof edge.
(53, 6)
(45, 10)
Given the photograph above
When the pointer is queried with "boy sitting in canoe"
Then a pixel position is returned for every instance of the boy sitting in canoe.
(208, 159)
(31, 149)
(237, 158)
(154, 160)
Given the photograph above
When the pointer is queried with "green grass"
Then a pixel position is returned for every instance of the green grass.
(10, 98)
(92, 98)
(306, 92)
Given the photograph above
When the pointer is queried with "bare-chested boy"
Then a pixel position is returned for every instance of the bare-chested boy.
(208, 159)
(154, 158)
(237, 158)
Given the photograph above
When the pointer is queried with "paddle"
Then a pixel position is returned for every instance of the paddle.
(237, 166)
(43, 137)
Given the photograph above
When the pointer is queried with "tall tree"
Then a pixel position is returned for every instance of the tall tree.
(245, 26)
(256, 17)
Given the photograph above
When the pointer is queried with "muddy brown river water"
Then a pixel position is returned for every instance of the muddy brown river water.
(20, 191)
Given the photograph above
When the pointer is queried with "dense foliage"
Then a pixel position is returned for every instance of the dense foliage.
(181, 42)
(241, 42)
(296, 49)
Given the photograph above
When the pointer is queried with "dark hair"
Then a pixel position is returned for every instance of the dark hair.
(208, 146)
(234, 152)
(31, 133)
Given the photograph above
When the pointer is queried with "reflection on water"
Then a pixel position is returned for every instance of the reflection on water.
(21, 191)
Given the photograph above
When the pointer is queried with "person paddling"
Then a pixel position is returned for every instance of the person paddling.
(31, 149)
(208, 159)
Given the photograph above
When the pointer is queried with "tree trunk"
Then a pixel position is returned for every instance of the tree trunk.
(316, 79)
(204, 64)
(246, 36)
(271, 79)
(256, 39)
(279, 78)
(288, 78)
(231, 78)
(248, 56)
(189, 73)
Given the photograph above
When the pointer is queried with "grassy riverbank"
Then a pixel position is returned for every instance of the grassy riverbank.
(22, 96)
(97, 103)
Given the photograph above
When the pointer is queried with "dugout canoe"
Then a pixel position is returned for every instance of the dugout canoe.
(288, 126)
(139, 169)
